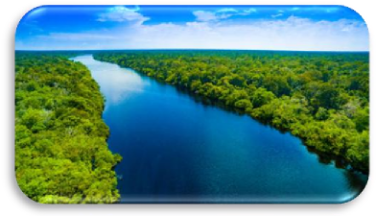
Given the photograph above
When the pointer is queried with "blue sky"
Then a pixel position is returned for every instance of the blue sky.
(306, 28)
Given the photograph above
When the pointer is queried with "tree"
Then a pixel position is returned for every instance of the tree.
(261, 96)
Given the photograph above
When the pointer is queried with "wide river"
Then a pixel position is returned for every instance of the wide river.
(176, 149)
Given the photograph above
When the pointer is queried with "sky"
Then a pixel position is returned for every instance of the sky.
(298, 28)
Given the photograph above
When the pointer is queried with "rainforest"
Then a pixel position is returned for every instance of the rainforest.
(61, 150)
(77, 142)
(191, 104)
(321, 97)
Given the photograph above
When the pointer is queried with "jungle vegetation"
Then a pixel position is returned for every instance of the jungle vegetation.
(323, 98)
(60, 139)
(61, 150)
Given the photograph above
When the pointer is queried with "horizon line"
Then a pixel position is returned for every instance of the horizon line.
(183, 49)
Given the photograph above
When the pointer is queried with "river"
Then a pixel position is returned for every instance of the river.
(176, 149)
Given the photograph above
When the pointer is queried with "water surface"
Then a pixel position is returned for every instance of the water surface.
(176, 149)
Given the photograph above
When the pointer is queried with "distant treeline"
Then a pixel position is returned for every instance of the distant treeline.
(321, 97)
(61, 150)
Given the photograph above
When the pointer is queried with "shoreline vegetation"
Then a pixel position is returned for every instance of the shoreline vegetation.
(322, 98)
(62, 155)
(61, 151)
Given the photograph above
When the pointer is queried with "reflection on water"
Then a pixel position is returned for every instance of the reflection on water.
(114, 83)
(177, 149)
(356, 181)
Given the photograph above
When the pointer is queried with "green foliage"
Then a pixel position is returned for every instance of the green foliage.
(243, 104)
(322, 98)
(61, 150)
(261, 97)
(322, 114)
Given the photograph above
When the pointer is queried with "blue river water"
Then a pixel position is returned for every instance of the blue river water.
(176, 149)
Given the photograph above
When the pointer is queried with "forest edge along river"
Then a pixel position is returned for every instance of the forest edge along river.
(176, 149)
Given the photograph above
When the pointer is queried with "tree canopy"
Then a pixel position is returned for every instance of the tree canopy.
(323, 98)
(61, 150)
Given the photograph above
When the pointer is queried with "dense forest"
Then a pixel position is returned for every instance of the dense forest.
(61, 150)
(323, 98)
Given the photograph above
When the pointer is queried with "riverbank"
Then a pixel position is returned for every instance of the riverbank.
(324, 156)
(315, 106)
(175, 149)
(61, 150)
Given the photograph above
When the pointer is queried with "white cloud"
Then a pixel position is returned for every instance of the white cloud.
(248, 11)
(205, 16)
(76, 36)
(123, 14)
(222, 13)
(277, 15)
(293, 33)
